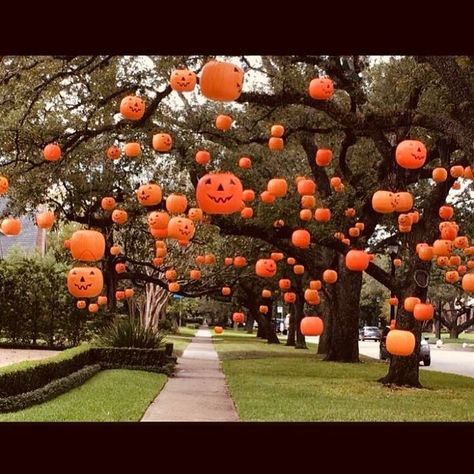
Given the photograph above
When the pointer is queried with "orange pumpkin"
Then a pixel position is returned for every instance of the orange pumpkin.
(301, 238)
(414, 216)
(393, 301)
(195, 214)
(298, 269)
(442, 261)
(266, 293)
(181, 228)
(45, 220)
(265, 267)
(442, 247)
(248, 195)
(267, 197)
(323, 157)
(224, 122)
(357, 260)
(240, 261)
(221, 81)
(161, 252)
(85, 282)
(52, 152)
(306, 187)
(3, 185)
(219, 193)
(410, 154)
(449, 232)
(81, 304)
(397, 262)
(410, 302)
(277, 131)
(171, 274)
(330, 276)
(308, 202)
(162, 142)
(289, 297)
(102, 300)
(93, 308)
(245, 163)
(322, 214)
(446, 212)
(321, 88)
(132, 149)
(87, 245)
(306, 214)
(120, 267)
(238, 318)
(174, 287)
(315, 285)
(200, 259)
(290, 261)
(157, 261)
(404, 220)
(132, 107)
(350, 212)
(452, 276)
(228, 261)
(149, 194)
(158, 220)
(176, 203)
(335, 181)
(468, 173)
(423, 311)
(403, 201)
(11, 226)
(218, 329)
(210, 259)
(311, 326)
(400, 343)
(183, 80)
(279, 223)
(354, 232)
(456, 171)
(439, 175)
(108, 203)
(360, 226)
(276, 143)
(468, 282)
(454, 260)
(113, 152)
(312, 296)
(462, 269)
(277, 256)
(203, 157)
(119, 216)
(263, 309)
(383, 202)
(226, 291)
(129, 292)
(278, 187)
(461, 242)
(284, 284)
(195, 274)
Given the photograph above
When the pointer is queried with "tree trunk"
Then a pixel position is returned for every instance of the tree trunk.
(291, 336)
(271, 336)
(108, 268)
(326, 316)
(151, 307)
(345, 300)
(249, 324)
(299, 315)
(261, 332)
(454, 332)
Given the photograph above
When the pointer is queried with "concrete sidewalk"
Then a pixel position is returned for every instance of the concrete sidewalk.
(198, 391)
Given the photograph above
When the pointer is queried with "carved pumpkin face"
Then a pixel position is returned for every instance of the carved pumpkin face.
(195, 214)
(411, 154)
(132, 107)
(265, 267)
(321, 88)
(149, 194)
(162, 142)
(183, 80)
(219, 193)
(158, 219)
(85, 282)
(3, 185)
(221, 81)
(181, 228)
(108, 203)
(113, 152)
(119, 216)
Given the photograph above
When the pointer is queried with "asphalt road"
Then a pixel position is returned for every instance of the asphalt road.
(442, 360)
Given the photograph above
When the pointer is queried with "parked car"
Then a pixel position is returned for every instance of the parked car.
(425, 353)
(370, 332)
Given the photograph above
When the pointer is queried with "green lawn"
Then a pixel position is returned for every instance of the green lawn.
(181, 339)
(111, 395)
(464, 337)
(278, 383)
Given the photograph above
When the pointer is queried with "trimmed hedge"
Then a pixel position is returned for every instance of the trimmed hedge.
(48, 378)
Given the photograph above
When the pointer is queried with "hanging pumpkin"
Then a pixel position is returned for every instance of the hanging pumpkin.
(400, 343)
(158, 219)
(195, 274)
(410, 302)
(221, 81)
(176, 203)
(276, 144)
(108, 204)
(452, 276)
(468, 282)
(354, 232)
(358, 260)
(119, 216)
(52, 152)
(321, 88)
(442, 247)
(81, 304)
(218, 329)
(360, 226)
(393, 301)
(181, 228)
(335, 181)
(308, 202)
(446, 212)
(322, 214)
(248, 195)
(266, 293)
(298, 269)
(113, 152)
(403, 201)
(129, 292)
(306, 214)
(240, 262)
(277, 256)
(210, 259)
(439, 175)
(11, 226)
(462, 269)
(277, 131)
(228, 261)
(132, 149)
(245, 163)
(397, 262)
(45, 220)
(203, 157)
(323, 157)
(267, 197)
(306, 187)
(456, 171)
(85, 282)
(224, 122)
(423, 311)
(350, 212)
(183, 80)
(149, 194)
(315, 285)
(284, 284)
(161, 252)
(93, 308)
(312, 296)
(289, 297)
(265, 267)
(454, 260)
(195, 214)
(263, 308)
(383, 202)
(174, 287)
(3, 185)
(132, 107)
(290, 261)
(162, 142)
(311, 326)
(301, 238)
(330, 276)
(279, 223)
(442, 261)
(238, 318)
(120, 267)
(200, 259)
(410, 154)
(87, 245)
(226, 291)
(278, 187)
(171, 274)
(219, 193)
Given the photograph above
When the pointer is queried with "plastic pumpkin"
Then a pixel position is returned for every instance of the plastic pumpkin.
(81, 304)
(306, 187)
(393, 301)
(456, 171)
(278, 187)
(171, 274)
(248, 195)
(11, 226)
(323, 157)
(383, 202)
(162, 142)
(289, 297)
(298, 269)
(3, 185)
(358, 260)
(195, 274)
(452, 276)
(410, 302)
(238, 318)
(284, 284)
(423, 311)
(119, 216)
(360, 226)
(335, 181)
(321, 88)
(108, 203)
(265, 267)
(195, 214)
(240, 261)
(228, 261)
(132, 149)
(200, 259)
(85, 282)
(267, 197)
(176, 203)
(468, 282)
(410, 154)
(277, 256)
(315, 284)
(442, 261)
(306, 214)
(224, 122)
(181, 228)
(221, 81)
(218, 329)
(330, 276)
(102, 300)
(350, 212)
(210, 259)
(454, 260)
(311, 326)
(219, 193)
(203, 157)
(308, 202)
(322, 214)
(93, 308)
(276, 143)
(226, 291)
(279, 223)
(301, 238)
(174, 287)
(290, 261)
(158, 219)
(439, 175)
(245, 163)
(87, 245)
(132, 107)
(442, 247)
(120, 267)
(277, 131)
(400, 343)
(113, 152)
(183, 80)
(263, 309)
(461, 242)
(446, 212)
(312, 296)
(52, 152)
(354, 232)
(129, 292)
(45, 220)
(266, 293)
(149, 194)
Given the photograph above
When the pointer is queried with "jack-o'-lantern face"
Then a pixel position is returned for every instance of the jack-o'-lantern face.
(265, 267)
(3, 185)
(181, 228)
(195, 214)
(219, 193)
(85, 282)
(404, 220)
(183, 80)
(410, 154)
(158, 219)
(221, 81)
(119, 216)
(149, 194)
(162, 142)
(132, 107)
(108, 203)
(321, 88)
